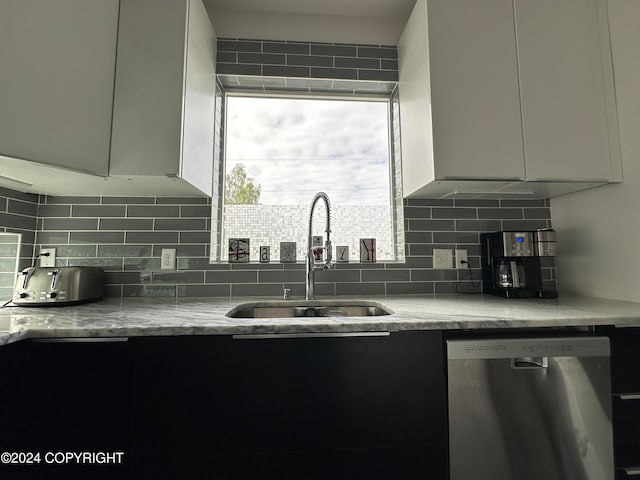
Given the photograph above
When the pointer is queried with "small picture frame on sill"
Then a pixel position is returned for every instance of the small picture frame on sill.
(287, 252)
(342, 254)
(238, 250)
(367, 250)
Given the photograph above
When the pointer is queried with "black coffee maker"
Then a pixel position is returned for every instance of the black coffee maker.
(511, 263)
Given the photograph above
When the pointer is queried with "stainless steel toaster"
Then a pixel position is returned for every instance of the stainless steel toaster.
(50, 286)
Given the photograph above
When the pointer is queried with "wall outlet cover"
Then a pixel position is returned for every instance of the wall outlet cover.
(461, 256)
(50, 260)
(442, 258)
(168, 259)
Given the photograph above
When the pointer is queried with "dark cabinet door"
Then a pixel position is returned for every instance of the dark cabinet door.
(625, 380)
(347, 407)
(65, 398)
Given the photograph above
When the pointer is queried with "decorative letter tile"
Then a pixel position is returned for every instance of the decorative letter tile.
(342, 254)
(265, 255)
(287, 252)
(238, 250)
(367, 250)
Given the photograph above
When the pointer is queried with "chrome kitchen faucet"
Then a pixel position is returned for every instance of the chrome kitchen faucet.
(311, 266)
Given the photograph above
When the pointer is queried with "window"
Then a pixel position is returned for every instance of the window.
(280, 151)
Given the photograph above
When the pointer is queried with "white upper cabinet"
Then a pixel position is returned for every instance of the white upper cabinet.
(107, 97)
(57, 61)
(497, 99)
(164, 99)
(566, 88)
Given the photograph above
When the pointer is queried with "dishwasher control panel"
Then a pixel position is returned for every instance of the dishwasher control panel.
(528, 347)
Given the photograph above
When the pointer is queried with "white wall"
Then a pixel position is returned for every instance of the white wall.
(308, 28)
(599, 230)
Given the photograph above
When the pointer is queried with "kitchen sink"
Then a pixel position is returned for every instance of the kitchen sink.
(309, 308)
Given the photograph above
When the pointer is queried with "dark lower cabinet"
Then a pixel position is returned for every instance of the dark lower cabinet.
(343, 408)
(625, 380)
(64, 398)
(215, 407)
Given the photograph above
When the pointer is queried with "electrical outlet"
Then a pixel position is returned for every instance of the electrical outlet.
(168, 261)
(461, 256)
(442, 258)
(50, 260)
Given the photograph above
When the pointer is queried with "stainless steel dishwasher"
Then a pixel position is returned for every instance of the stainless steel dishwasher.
(530, 409)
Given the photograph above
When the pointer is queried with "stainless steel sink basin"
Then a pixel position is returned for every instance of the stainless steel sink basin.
(309, 308)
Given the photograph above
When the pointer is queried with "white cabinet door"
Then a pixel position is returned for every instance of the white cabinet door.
(459, 98)
(415, 102)
(477, 131)
(199, 100)
(565, 77)
(147, 111)
(164, 92)
(57, 62)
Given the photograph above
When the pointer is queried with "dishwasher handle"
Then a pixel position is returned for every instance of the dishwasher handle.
(529, 363)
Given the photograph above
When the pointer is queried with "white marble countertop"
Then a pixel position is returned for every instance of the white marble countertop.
(191, 316)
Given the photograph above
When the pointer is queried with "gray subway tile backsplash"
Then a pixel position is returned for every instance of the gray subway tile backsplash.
(181, 224)
(306, 60)
(98, 210)
(334, 50)
(153, 211)
(343, 73)
(70, 224)
(285, 47)
(262, 58)
(500, 213)
(21, 207)
(11, 221)
(96, 237)
(232, 45)
(537, 213)
(310, 60)
(459, 212)
(149, 237)
(73, 200)
(353, 62)
(378, 52)
(129, 247)
(123, 251)
(127, 200)
(238, 69)
(125, 224)
(380, 75)
(286, 71)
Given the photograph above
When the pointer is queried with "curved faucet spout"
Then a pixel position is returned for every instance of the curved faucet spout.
(310, 280)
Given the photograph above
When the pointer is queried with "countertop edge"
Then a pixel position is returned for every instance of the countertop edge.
(134, 318)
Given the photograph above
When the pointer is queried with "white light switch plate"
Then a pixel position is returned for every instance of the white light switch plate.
(442, 258)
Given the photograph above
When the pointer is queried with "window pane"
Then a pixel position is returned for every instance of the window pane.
(291, 148)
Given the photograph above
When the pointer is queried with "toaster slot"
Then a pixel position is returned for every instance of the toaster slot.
(26, 274)
(54, 278)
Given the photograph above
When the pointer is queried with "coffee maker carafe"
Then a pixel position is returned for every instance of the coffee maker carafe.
(511, 263)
